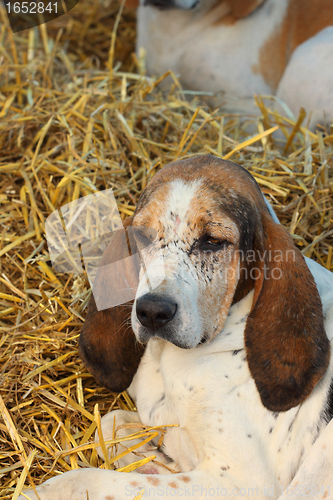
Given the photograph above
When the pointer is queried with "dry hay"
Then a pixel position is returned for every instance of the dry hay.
(78, 115)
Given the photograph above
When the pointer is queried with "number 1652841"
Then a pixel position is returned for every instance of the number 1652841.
(31, 8)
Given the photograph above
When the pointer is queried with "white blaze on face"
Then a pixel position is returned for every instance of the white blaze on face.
(180, 201)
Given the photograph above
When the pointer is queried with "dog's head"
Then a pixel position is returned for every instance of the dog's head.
(214, 241)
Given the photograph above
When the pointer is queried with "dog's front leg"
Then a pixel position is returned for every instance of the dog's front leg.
(126, 423)
(100, 484)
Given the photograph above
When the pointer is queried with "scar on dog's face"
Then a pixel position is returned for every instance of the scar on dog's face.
(194, 257)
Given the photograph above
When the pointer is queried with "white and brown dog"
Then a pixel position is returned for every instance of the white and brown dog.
(244, 47)
(233, 347)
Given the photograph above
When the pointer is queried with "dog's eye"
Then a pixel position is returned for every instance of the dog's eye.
(209, 243)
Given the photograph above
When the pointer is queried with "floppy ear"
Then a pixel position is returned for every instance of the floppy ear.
(287, 348)
(132, 4)
(242, 8)
(107, 343)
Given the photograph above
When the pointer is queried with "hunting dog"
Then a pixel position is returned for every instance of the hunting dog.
(232, 348)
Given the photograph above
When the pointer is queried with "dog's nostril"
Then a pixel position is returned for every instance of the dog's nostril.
(162, 316)
(154, 312)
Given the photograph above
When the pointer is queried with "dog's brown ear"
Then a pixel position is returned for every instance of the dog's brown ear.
(287, 348)
(132, 4)
(107, 343)
(242, 8)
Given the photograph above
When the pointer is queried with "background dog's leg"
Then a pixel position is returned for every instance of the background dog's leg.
(100, 484)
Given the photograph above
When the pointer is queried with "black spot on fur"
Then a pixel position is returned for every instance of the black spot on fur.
(291, 426)
(327, 413)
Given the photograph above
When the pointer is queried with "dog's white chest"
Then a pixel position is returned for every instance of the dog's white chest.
(219, 418)
(182, 392)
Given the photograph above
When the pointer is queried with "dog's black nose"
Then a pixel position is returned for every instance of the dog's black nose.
(154, 312)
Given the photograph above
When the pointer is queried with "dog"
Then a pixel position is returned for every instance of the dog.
(231, 348)
(244, 47)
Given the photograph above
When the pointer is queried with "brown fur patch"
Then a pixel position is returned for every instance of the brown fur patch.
(228, 20)
(110, 497)
(243, 8)
(173, 485)
(132, 4)
(186, 479)
(134, 483)
(153, 480)
(303, 20)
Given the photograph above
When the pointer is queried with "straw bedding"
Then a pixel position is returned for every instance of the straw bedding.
(78, 114)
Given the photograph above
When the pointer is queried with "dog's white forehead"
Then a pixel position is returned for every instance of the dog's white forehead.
(181, 194)
(172, 201)
(181, 198)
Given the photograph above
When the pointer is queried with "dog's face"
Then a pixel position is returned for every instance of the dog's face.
(196, 251)
(208, 216)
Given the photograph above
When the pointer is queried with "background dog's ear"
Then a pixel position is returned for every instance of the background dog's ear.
(107, 343)
(287, 348)
(242, 8)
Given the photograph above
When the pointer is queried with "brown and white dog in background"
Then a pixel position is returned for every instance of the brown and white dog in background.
(244, 47)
